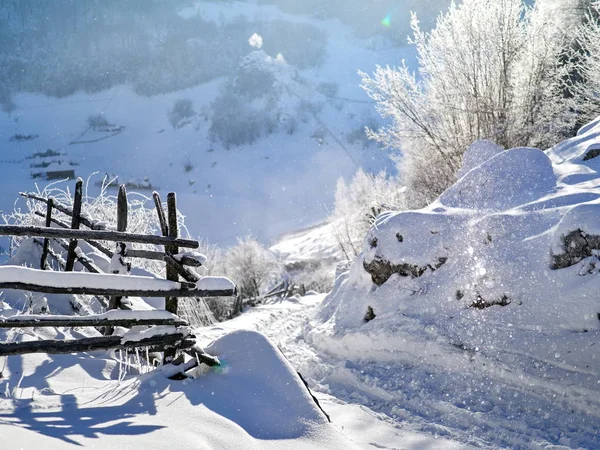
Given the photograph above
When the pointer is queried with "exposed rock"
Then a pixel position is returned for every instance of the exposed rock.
(592, 153)
(481, 303)
(381, 270)
(578, 245)
(370, 314)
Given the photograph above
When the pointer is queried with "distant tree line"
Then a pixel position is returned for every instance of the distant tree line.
(58, 47)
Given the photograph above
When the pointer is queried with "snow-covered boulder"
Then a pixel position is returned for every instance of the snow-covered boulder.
(478, 153)
(511, 178)
(577, 235)
(409, 243)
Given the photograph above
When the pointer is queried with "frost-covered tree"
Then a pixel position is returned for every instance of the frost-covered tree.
(586, 61)
(359, 203)
(491, 69)
(251, 266)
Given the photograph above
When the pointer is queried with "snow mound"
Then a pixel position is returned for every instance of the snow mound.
(478, 153)
(467, 292)
(412, 237)
(258, 388)
(511, 178)
(255, 400)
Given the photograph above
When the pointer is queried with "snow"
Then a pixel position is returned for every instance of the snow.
(478, 153)
(511, 178)
(510, 376)
(197, 256)
(241, 405)
(67, 280)
(215, 284)
(137, 334)
(108, 315)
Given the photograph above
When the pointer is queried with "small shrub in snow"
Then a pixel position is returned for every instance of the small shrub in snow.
(358, 204)
(97, 121)
(181, 113)
(251, 266)
(329, 89)
(188, 166)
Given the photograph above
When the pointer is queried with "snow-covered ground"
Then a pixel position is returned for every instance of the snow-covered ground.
(254, 400)
(484, 334)
(477, 332)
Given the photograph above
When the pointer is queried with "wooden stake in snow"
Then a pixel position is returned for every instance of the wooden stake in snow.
(172, 274)
(75, 223)
(46, 247)
(161, 214)
(115, 301)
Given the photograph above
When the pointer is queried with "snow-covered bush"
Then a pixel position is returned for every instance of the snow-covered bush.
(358, 204)
(102, 208)
(315, 276)
(181, 113)
(251, 267)
(97, 121)
(491, 69)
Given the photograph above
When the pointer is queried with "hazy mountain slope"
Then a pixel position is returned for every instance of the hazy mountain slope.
(281, 182)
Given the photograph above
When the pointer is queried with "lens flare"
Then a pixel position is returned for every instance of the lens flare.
(387, 21)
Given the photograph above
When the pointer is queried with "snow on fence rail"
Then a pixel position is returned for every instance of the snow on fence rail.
(114, 285)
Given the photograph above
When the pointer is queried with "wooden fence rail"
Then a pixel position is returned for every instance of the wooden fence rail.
(114, 286)
(114, 236)
(57, 346)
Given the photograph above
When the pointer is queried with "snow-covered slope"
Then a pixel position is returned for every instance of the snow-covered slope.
(280, 183)
(486, 305)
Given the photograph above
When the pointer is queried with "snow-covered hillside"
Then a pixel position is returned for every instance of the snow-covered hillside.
(282, 182)
(485, 302)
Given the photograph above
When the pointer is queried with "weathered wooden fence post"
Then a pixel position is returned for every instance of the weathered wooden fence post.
(172, 274)
(122, 211)
(46, 247)
(161, 214)
(75, 223)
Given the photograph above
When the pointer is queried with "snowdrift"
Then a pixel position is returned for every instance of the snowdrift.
(491, 288)
(255, 400)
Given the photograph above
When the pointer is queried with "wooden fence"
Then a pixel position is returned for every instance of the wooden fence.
(112, 286)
